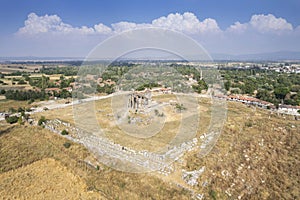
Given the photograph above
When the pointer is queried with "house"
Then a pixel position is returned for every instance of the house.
(289, 109)
(52, 90)
(75, 85)
(162, 90)
(69, 89)
(251, 101)
(265, 105)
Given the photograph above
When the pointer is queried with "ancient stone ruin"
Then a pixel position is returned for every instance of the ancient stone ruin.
(139, 100)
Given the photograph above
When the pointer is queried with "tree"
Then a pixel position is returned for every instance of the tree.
(281, 92)
(249, 87)
(264, 95)
(227, 85)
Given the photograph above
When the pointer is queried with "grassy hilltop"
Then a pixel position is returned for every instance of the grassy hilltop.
(256, 157)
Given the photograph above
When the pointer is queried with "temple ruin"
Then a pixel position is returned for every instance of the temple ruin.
(139, 100)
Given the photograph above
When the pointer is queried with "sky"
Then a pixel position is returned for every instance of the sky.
(68, 28)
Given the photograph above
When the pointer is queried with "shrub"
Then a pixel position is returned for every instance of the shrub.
(64, 132)
(41, 120)
(213, 194)
(20, 109)
(248, 124)
(12, 119)
(20, 121)
(22, 82)
(12, 110)
(67, 145)
(180, 107)
(30, 101)
(45, 108)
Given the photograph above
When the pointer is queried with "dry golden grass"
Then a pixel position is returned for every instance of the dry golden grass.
(44, 179)
(65, 114)
(57, 76)
(10, 68)
(154, 143)
(259, 151)
(105, 118)
(21, 146)
(5, 104)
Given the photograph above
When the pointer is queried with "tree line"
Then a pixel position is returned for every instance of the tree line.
(266, 85)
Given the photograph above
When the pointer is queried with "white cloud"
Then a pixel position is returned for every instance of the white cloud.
(101, 28)
(237, 27)
(53, 24)
(260, 33)
(269, 23)
(262, 24)
(123, 26)
(187, 23)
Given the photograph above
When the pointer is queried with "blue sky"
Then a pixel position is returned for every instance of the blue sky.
(233, 26)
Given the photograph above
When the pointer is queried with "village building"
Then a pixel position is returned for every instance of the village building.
(69, 89)
(289, 109)
(162, 90)
(248, 100)
(52, 90)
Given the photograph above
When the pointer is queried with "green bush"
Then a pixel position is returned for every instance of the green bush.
(213, 194)
(20, 121)
(30, 101)
(67, 145)
(20, 109)
(248, 124)
(12, 119)
(64, 132)
(41, 120)
(22, 82)
(12, 110)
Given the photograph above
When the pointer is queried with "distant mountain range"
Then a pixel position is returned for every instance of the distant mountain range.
(272, 56)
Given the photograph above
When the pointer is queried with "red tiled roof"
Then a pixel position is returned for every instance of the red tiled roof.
(289, 106)
(52, 89)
